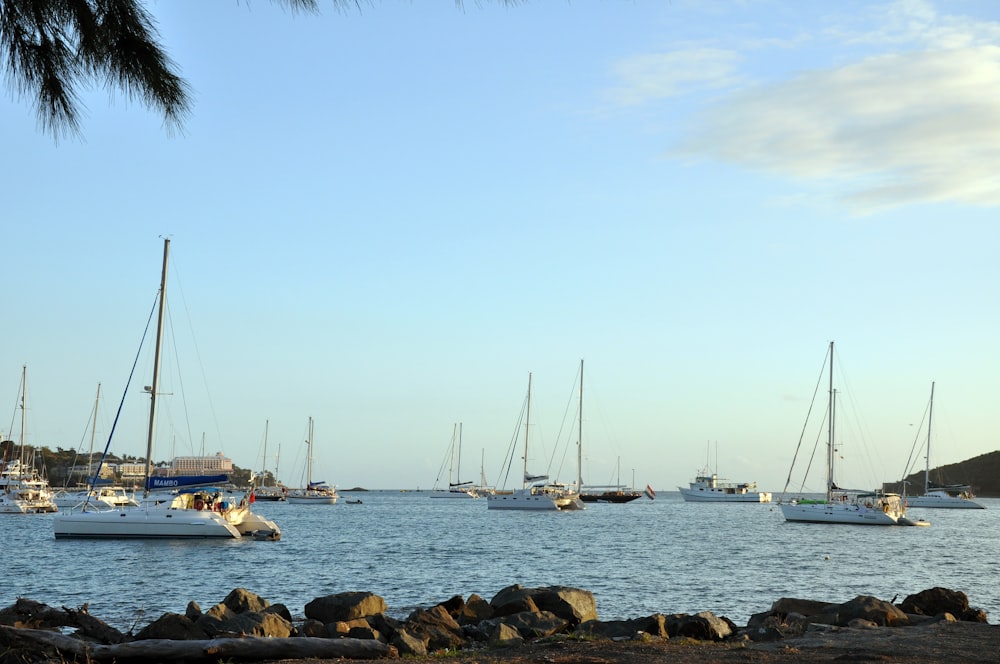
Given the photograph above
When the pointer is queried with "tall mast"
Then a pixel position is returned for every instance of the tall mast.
(527, 418)
(927, 466)
(829, 438)
(309, 456)
(24, 397)
(579, 442)
(264, 469)
(156, 366)
(458, 468)
(93, 433)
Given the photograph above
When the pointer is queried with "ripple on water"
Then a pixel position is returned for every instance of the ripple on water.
(639, 558)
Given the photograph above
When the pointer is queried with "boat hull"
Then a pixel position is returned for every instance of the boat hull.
(610, 497)
(715, 496)
(140, 523)
(542, 502)
(448, 493)
(311, 499)
(838, 513)
(943, 502)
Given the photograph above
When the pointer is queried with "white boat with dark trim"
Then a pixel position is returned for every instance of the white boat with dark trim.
(708, 488)
(22, 489)
(871, 508)
(942, 496)
(313, 493)
(186, 515)
(536, 492)
(456, 487)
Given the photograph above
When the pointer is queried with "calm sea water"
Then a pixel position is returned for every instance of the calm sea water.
(640, 558)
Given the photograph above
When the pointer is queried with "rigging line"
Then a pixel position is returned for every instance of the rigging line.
(91, 481)
(508, 460)
(197, 353)
(819, 382)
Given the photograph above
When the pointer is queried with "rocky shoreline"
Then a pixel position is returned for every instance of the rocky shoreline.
(552, 624)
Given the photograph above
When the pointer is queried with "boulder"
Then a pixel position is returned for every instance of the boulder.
(341, 628)
(436, 628)
(172, 626)
(505, 636)
(704, 626)
(475, 610)
(512, 599)
(536, 624)
(866, 607)
(408, 644)
(242, 600)
(313, 628)
(193, 611)
(935, 601)
(572, 604)
(654, 626)
(279, 609)
(345, 606)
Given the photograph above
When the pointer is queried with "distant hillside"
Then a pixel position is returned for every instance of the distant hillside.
(982, 472)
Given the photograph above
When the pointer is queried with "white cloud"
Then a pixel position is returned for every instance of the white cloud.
(660, 75)
(890, 130)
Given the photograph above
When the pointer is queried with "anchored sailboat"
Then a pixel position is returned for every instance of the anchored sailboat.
(951, 496)
(875, 508)
(189, 514)
(536, 492)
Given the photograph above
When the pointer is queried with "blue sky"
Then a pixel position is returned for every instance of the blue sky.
(386, 218)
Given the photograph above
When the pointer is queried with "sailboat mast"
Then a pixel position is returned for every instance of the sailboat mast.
(93, 433)
(309, 456)
(458, 468)
(927, 464)
(156, 367)
(24, 397)
(579, 442)
(264, 469)
(829, 438)
(527, 419)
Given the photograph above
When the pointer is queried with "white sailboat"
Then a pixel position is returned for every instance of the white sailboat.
(22, 489)
(875, 508)
(456, 488)
(313, 493)
(536, 492)
(187, 515)
(953, 496)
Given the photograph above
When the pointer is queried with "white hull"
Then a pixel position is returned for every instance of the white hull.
(716, 496)
(144, 523)
(12, 505)
(849, 513)
(943, 501)
(541, 501)
(311, 499)
(453, 494)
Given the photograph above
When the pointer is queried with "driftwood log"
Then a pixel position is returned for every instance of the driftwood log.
(209, 650)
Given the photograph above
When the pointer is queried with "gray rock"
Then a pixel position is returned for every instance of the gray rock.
(345, 606)
(172, 626)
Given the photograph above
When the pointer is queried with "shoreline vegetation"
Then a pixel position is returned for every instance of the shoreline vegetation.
(518, 625)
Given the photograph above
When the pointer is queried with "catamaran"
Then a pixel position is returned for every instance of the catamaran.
(190, 510)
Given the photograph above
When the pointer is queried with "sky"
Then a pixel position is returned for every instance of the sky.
(386, 217)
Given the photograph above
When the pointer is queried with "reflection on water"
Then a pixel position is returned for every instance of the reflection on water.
(643, 557)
